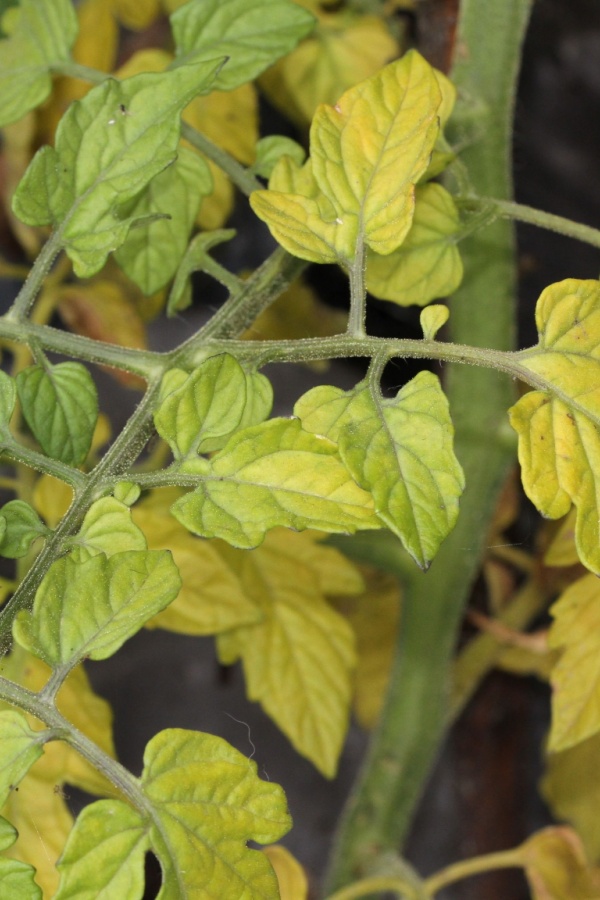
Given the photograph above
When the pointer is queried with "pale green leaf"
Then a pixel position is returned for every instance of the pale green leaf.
(400, 450)
(252, 34)
(427, 265)
(152, 252)
(195, 259)
(432, 319)
(90, 609)
(20, 747)
(16, 877)
(109, 145)
(107, 528)
(576, 676)
(298, 660)
(269, 151)
(559, 424)
(44, 33)
(274, 474)
(127, 492)
(60, 405)
(8, 397)
(198, 413)
(104, 855)
(367, 153)
(22, 526)
(209, 803)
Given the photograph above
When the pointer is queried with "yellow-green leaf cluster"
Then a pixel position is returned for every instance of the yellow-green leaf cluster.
(559, 424)
(367, 154)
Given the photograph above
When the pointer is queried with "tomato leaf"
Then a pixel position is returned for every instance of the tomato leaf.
(22, 526)
(16, 877)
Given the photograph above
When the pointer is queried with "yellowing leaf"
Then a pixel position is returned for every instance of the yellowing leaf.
(556, 866)
(385, 124)
(16, 878)
(107, 528)
(299, 657)
(432, 319)
(572, 790)
(209, 803)
(399, 450)
(559, 424)
(562, 551)
(291, 878)
(211, 598)
(374, 616)
(427, 265)
(136, 14)
(344, 48)
(576, 676)
(52, 499)
(273, 474)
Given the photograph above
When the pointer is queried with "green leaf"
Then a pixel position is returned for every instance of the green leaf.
(22, 526)
(209, 803)
(60, 405)
(356, 191)
(274, 474)
(269, 151)
(89, 609)
(300, 635)
(427, 265)
(252, 34)
(127, 492)
(8, 397)
(107, 528)
(199, 412)
(576, 676)
(44, 34)
(20, 747)
(104, 854)
(16, 877)
(151, 254)
(399, 450)
(108, 147)
(559, 424)
(195, 259)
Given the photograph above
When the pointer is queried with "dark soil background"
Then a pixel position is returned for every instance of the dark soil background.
(482, 795)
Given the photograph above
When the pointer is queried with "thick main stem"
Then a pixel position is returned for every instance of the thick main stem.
(380, 810)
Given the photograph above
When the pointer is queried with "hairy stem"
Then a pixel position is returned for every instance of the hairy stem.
(520, 213)
(26, 296)
(508, 859)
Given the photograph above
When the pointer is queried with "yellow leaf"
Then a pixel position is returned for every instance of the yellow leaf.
(556, 866)
(136, 14)
(397, 110)
(559, 425)
(292, 880)
(576, 676)
(427, 265)
(562, 551)
(374, 617)
(211, 598)
(37, 808)
(343, 49)
(299, 658)
(52, 499)
(572, 790)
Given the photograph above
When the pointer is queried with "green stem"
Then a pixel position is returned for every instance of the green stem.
(520, 213)
(404, 746)
(26, 296)
(508, 859)
(16, 452)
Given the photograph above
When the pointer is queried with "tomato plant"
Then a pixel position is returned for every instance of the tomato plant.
(297, 541)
